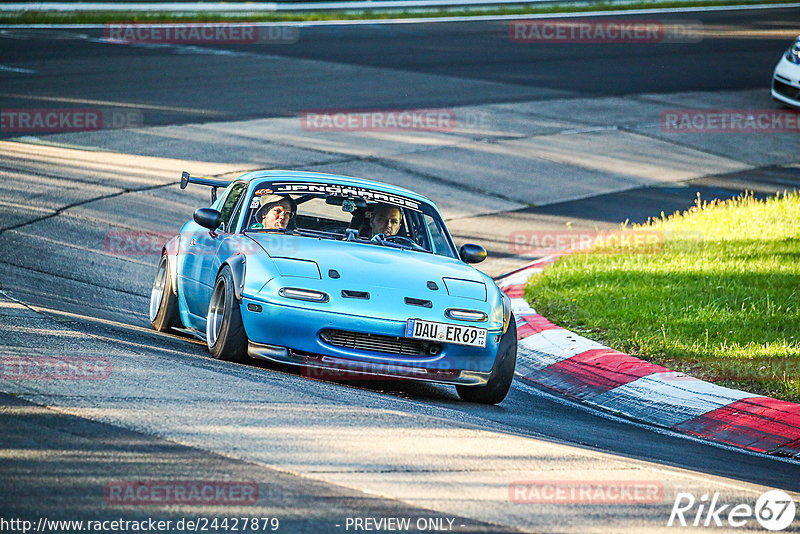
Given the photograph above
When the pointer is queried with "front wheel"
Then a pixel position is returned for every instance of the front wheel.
(496, 389)
(163, 302)
(224, 329)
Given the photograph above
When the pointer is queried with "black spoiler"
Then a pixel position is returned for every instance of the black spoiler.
(187, 179)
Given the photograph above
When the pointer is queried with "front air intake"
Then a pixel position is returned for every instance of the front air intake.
(401, 346)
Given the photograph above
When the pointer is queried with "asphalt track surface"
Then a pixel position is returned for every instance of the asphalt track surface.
(107, 302)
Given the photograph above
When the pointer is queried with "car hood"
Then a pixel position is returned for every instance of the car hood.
(364, 265)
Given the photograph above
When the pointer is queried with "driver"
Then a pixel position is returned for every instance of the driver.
(386, 220)
(275, 212)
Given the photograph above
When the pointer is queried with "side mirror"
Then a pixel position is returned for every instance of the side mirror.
(472, 253)
(207, 218)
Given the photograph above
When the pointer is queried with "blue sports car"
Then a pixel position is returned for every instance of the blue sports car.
(336, 273)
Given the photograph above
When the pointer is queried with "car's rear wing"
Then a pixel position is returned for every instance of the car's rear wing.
(187, 179)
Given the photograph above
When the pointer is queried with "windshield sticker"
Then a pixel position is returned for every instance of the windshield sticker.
(255, 203)
(261, 192)
(345, 191)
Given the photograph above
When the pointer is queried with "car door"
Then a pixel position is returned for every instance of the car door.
(202, 263)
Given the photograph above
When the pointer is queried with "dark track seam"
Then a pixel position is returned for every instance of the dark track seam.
(60, 210)
(57, 177)
(31, 269)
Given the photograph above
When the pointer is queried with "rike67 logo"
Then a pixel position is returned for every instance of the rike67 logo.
(774, 510)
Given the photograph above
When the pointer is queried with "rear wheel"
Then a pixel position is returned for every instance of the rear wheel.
(163, 302)
(496, 389)
(224, 329)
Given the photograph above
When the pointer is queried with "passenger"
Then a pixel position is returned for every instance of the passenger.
(386, 220)
(276, 212)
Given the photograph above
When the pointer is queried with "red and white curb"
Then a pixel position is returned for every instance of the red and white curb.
(563, 362)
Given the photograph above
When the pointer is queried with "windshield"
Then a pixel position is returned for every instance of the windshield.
(357, 214)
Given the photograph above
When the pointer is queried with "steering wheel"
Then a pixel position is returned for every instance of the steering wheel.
(402, 240)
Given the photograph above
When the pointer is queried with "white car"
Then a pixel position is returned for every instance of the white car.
(786, 78)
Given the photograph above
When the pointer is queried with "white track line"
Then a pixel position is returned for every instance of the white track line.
(6, 68)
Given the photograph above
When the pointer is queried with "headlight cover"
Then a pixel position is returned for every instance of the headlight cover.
(465, 315)
(308, 295)
(793, 54)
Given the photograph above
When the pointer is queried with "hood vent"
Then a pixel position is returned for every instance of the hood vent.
(351, 294)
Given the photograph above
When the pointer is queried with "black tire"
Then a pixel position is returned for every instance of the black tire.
(224, 329)
(163, 302)
(496, 389)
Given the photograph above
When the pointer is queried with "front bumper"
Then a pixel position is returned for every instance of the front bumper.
(335, 368)
(292, 335)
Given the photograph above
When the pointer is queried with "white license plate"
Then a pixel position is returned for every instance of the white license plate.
(446, 333)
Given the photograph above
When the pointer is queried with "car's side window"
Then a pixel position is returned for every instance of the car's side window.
(240, 208)
(228, 216)
(437, 237)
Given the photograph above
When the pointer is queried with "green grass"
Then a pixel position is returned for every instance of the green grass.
(718, 298)
(41, 17)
